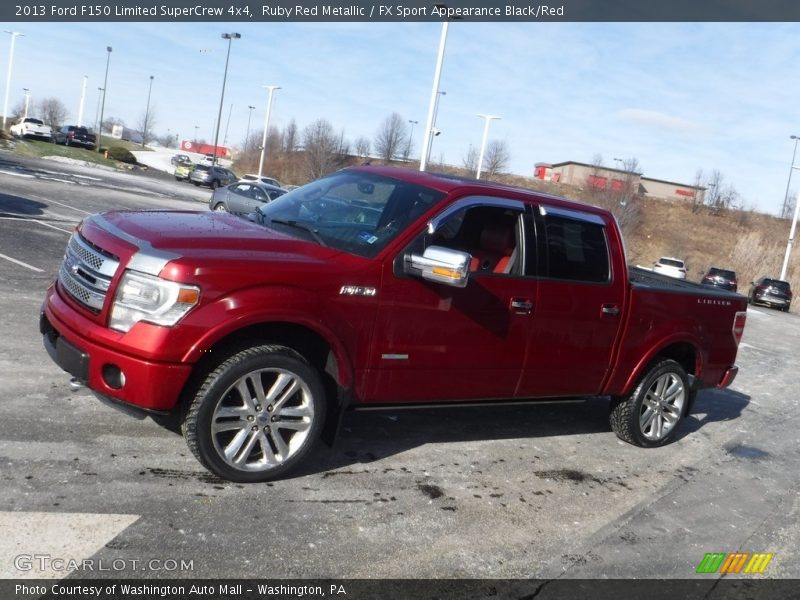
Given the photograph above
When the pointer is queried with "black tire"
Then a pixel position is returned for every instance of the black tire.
(214, 184)
(650, 415)
(268, 431)
(196, 183)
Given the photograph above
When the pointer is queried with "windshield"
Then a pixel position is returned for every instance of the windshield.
(352, 211)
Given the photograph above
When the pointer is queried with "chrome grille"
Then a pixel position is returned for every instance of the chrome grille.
(86, 273)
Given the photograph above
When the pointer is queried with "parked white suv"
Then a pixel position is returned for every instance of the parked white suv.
(667, 265)
(31, 127)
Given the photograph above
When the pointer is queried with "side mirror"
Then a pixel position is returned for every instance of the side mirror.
(441, 265)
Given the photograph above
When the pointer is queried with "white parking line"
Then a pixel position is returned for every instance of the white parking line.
(36, 221)
(40, 545)
(86, 212)
(15, 174)
(22, 264)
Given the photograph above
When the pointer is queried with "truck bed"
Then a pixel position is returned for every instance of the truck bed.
(646, 279)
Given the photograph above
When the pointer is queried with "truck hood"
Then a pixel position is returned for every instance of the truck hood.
(200, 237)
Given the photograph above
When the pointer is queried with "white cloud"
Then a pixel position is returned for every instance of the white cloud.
(659, 120)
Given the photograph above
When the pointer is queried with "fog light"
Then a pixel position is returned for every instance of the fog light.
(113, 376)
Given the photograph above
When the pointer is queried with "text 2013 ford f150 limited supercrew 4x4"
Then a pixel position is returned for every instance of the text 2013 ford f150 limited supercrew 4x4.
(374, 287)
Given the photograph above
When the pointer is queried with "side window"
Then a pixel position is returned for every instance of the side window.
(575, 250)
(259, 194)
(490, 234)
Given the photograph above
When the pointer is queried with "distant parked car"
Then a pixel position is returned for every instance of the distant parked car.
(32, 128)
(75, 135)
(667, 265)
(181, 159)
(183, 170)
(262, 179)
(772, 292)
(721, 278)
(212, 176)
(243, 197)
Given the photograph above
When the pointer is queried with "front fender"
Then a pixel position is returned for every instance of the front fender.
(228, 314)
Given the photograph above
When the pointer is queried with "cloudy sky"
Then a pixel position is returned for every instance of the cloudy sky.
(676, 96)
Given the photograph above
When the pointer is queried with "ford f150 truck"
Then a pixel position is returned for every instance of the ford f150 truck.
(375, 287)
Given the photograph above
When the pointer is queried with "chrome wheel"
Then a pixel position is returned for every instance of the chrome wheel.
(257, 415)
(649, 415)
(662, 407)
(262, 420)
(220, 207)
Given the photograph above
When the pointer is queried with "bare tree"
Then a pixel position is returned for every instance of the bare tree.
(497, 157)
(146, 123)
(392, 137)
(714, 186)
(53, 112)
(108, 124)
(788, 212)
(324, 150)
(362, 147)
(470, 160)
(290, 137)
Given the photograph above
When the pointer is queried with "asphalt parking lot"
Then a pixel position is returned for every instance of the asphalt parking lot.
(542, 492)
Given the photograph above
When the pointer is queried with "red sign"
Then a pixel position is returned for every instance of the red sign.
(221, 151)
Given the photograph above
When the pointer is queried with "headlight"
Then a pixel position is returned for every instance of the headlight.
(143, 297)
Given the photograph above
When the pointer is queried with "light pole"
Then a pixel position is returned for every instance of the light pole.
(434, 131)
(14, 35)
(103, 104)
(97, 113)
(196, 127)
(271, 89)
(83, 99)
(488, 119)
(247, 135)
(791, 237)
(410, 137)
(27, 101)
(230, 37)
(147, 112)
(437, 75)
(621, 163)
(788, 183)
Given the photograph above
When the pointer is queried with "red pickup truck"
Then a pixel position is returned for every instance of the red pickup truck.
(373, 287)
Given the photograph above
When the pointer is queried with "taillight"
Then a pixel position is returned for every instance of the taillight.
(738, 326)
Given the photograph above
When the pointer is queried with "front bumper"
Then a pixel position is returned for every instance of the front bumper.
(145, 385)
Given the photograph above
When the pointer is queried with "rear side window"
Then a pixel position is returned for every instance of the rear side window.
(575, 250)
(671, 262)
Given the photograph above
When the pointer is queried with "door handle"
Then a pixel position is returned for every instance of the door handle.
(522, 306)
(610, 309)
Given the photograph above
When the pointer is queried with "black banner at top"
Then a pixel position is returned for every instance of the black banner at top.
(397, 10)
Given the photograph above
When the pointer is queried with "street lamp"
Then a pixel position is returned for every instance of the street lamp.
(147, 112)
(196, 127)
(437, 75)
(103, 104)
(410, 137)
(247, 135)
(83, 99)
(434, 130)
(791, 168)
(14, 35)
(97, 113)
(27, 100)
(791, 237)
(488, 119)
(271, 89)
(230, 37)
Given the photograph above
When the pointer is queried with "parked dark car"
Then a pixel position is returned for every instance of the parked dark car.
(75, 135)
(212, 176)
(772, 292)
(181, 159)
(721, 278)
(243, 197)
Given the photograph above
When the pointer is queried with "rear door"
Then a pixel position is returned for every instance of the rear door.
(578, 306)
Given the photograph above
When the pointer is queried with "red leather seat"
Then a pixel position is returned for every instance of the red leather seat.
(497, 244)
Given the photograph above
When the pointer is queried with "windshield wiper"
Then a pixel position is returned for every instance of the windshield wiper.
(315, 234)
